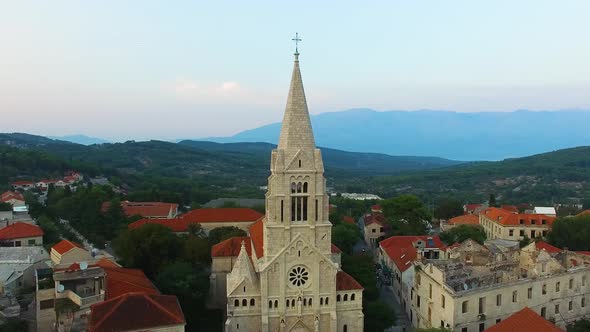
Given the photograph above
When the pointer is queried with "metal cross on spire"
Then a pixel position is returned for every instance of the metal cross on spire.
(296, 40)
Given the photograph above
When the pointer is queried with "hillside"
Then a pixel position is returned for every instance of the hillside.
(544, 178)
(452, 135)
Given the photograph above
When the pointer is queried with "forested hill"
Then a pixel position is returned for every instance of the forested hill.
(558, 177)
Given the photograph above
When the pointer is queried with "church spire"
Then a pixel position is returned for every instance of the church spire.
(296, 130)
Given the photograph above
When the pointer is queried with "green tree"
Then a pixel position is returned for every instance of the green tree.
(524, 242)
(362, 269)
(573, 233)
(461, 233)
(582, 325)
(378, 316)
(345, 236)
(196, 250)
(407, 215)
(5, 206)
(14, 325)
(196, 229)
(448, 208)
(51, 234)
(219, 234)
(492, 201)
(150, 248)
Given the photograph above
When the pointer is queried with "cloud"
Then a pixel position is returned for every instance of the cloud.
(218, 93)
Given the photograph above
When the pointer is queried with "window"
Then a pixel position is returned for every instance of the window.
(298, 276)
(544, 289)
(282, 207)
(321, 301)
(236, 303)
(464, 329)
(31, 242)
(570, 306)
(418, 301)
(530, 293)
(316, 210)
(498, 320)
(571, 285)
(252, 302)
(352, 297)
(533, 235)
(270, 304)
(46, 304)
(442, 301)
(288, 303)
(511, 232)
(557, 286)
(514, 296)
(345, 328)
(430, 291)
(300, 163)
(464, 306)
(304, 302)
(521, 232)
(276, 303)
(373, 230)
(583, 303)
(381, 229)
(345, 297)
(17, 243)
(244, 303)
(557, 308)
(521, 221)
(327, 300)
(499, 300)
(543, 221)
(293, 303)
(338, 298)
(543, 312)
(482, 304)
(533, 221)
(482, 326)
(583, 280)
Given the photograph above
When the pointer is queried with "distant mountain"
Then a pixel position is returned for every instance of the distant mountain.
(80, 139)
(452, 135)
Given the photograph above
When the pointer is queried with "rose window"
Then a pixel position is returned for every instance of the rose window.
(298, 276)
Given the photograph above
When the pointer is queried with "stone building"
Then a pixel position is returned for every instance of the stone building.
(480, 286)
(502, 224)
(286, 276)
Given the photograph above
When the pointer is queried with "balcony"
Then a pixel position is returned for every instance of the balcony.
(84, 299)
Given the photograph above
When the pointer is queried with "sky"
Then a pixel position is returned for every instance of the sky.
(187, 69)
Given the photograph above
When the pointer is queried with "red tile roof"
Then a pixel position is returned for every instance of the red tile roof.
(509, 208)
(257, 235)
(176, 225)
(335, 249)
(467, 219)
(549, 248)
(47, 181)
(135, 311)
(22, 183)
(231, 247)
(8, 195)
(145, 209)
(504, 217)
(471, 207)
(583, 213)
(20, 230)
(587, 253)
(65, 245)
(121, 281)
(524, 320)
(222, 215)
(402, 252)
(345, 282)
(348, 220)
(374, 218)
(376, 208)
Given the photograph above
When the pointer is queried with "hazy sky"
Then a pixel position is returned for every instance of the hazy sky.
(184, 69)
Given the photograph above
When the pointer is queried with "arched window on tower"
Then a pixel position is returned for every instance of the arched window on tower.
(327, 300)
(299, 186)
(304, 187)
(345, 328)
(288, 303)
(338, 298)
(236, 303)
(276, 303)
(293, 187)
(352, 297)
(244, 303)
(345, 297)
(321, 301)
(252, 302)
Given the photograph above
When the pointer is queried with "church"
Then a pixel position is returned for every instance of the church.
(286, 274)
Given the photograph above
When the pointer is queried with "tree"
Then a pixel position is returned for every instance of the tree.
(362, 269)
(5, 206)
(448, 208)
(14, 325)
(50, 231)
(492, 201)
(461, 233)
(378, 316)
(219, 234)
(345, 236)
(196, 250)
(582, 325)
(150, 248)
(196, 229)
(573, 233)
(407, 215)
(524, 242)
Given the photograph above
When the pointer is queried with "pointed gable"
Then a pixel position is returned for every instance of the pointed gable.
(242, 271)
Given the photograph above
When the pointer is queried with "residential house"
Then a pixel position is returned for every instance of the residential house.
(148, 210)
(525, 320)
(501, 224)
(348, 220)
(67, 252)
(13, 198)
(23, 185)
(18, 265)
(478, 287)
(510, 208)
(473, 208)
(376, 209)
(21, 234)
(209, 219)
(45, 183)
(374, 228)
(397, 255)
(466, 219)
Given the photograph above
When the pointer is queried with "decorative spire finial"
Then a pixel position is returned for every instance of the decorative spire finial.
(296, 40)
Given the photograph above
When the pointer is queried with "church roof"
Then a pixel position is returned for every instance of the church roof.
(257, 235)
(242, 270)
(345, 282)
(296, 132)
(524, 320)
(231, 247)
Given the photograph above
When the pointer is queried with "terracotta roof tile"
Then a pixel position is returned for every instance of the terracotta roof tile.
(65, 245)
(471, 207)
(504, 217)
(20, 230)
(402, 252)
(257, 235)
(8, 195)
(524, 320)
(348, 220)
(376, 218)
(335, 249)
(231, 247)
(509, 208)
(176, 225)
(467, 219)
(583, 213)
(145, 209)
(222, 215)
(549, 248)
(121, 281)
(135, 311)
(346, 282)
(22, 183)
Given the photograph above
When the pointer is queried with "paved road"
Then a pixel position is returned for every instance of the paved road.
(402, 322)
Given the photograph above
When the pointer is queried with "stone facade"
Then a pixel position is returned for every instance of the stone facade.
(501, 224)
(290, 279)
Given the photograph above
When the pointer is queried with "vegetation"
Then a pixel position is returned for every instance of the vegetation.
(582, 325)
(5, 206)
(571, 232)
(448, 208)
(378, 316)
(219, 234)
(345, 236)
(407, 215)
(461, 233)
(14, 325)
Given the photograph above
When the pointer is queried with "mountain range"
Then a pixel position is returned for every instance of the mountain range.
(451, 135)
